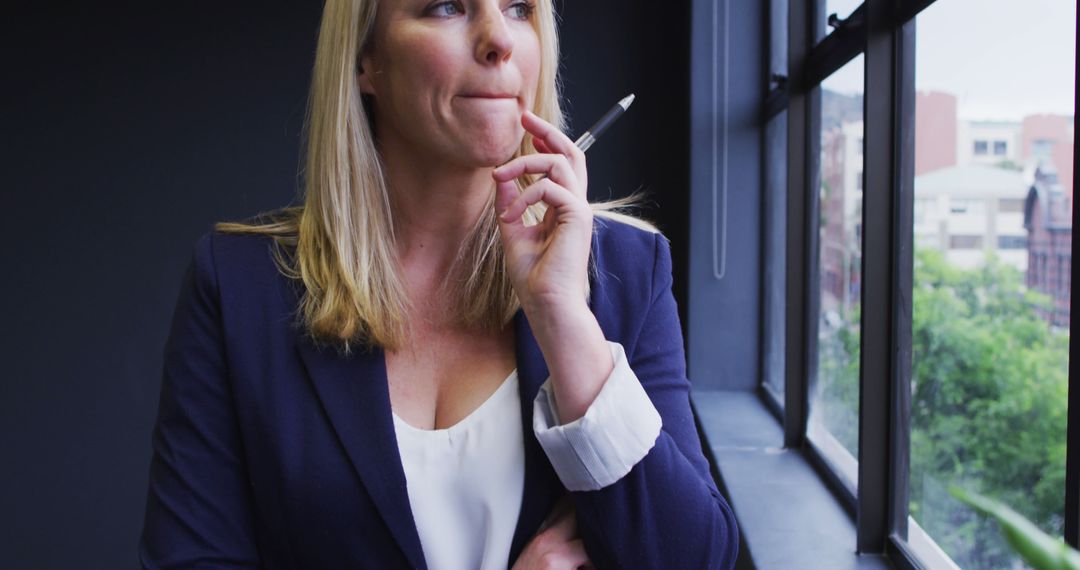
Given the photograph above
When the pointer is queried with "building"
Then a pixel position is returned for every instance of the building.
(990, 143)
(935, 131)
(1047, 218)
(841, 215)
(1050, 138)
(840, 230)
(969, 211)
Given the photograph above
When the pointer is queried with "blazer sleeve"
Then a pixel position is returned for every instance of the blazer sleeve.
(198, 508)
(667, 511)
(618, 429)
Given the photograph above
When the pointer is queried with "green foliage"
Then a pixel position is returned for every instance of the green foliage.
(1009, 165)
(988, 406)
(837, 406)
(1033, 545)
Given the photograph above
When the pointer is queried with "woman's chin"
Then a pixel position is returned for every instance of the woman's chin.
(492, 139)
(486, 153)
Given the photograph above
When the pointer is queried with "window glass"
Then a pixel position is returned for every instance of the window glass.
(774, 204)
(993, 170)
(773, 278)
(834, 417)
(778, 37)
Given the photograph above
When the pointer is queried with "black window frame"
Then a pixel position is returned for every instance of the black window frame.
(883, 31)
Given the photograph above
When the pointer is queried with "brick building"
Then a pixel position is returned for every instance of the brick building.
(1047, 218)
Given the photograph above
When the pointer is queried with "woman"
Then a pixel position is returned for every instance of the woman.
(414, 367)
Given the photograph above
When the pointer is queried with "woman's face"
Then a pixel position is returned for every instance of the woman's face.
(451, 78)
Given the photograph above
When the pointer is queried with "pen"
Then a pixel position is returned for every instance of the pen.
(587, 139)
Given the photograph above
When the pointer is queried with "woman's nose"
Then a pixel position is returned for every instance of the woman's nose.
(494, 40)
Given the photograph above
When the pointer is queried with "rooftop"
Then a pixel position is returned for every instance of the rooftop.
(972, 180)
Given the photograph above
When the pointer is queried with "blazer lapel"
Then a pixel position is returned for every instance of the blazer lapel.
(356, 397)
(542, 486)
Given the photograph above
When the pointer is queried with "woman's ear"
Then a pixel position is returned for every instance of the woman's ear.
(364, 73)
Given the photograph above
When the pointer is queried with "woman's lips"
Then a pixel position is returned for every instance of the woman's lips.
(489, 96)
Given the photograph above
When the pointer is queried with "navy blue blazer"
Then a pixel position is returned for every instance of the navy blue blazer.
(271, 453)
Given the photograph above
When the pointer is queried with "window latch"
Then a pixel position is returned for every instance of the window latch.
(777, 81)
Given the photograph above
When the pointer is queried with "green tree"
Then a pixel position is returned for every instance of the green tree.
(837, 403)
(988, 406)
(988, 410)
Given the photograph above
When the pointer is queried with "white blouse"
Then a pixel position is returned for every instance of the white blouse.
(465, 482)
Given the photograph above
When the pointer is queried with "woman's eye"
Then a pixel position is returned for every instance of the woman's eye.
(521, 10)
(444, 9)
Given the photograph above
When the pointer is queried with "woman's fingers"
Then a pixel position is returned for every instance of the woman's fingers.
(556, 546)
(545, 190)
(505, 192)
(544, 257)
(557, 142)
(564, 517)
(539, 145)
(576, 555)
(551, 136)
(556, 166)
(557, 157)
(564, 528)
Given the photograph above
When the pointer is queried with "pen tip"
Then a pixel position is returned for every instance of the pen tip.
(625, 103)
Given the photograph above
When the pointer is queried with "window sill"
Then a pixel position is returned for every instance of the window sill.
(787, 516)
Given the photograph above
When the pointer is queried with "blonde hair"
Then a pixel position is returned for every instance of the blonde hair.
(340, 242)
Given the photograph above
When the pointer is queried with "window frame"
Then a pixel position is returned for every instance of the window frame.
(883, 31)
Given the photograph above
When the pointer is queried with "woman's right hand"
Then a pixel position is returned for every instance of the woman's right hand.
(556, 546)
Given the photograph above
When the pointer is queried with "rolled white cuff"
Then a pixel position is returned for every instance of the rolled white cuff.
(616, 432)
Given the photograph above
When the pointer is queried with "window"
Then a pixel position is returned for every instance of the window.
(1012, 242)
(982, 392)
(1042, 148)
(834, 409)
(774, 206)
(965, 242)
(968, 206)
(905, 356)
(1010, 205)
(773, 203)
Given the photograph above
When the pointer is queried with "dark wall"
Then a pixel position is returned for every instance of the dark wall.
(128, 129)
(612, 49)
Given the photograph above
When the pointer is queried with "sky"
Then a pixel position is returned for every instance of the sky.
(1002, 59)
